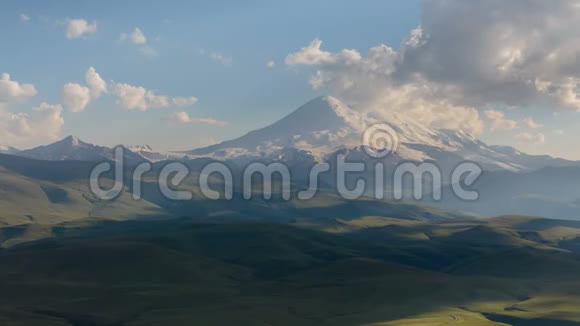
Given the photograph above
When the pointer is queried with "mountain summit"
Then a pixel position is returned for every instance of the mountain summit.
(320, 126)
(326, 125)
(72, 148)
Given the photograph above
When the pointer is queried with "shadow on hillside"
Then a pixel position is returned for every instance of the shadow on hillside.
(514, 321)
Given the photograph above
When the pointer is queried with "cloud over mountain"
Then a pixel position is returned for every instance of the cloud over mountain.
(499, 121)
(530, 137)
(369, 82)
(514, 52)
(17, 127)
(462, 58)
(43, 122)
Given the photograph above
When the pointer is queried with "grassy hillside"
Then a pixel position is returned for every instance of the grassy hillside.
(70, 259)
(187, 271)
(43, 192)
(28, 199)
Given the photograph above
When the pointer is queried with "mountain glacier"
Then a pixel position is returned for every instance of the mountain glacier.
(325, 126)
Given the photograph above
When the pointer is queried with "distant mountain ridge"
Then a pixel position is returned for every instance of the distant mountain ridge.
(72, 148)
(317, 131)
(513, 182)
(147, 152)
(8, 149)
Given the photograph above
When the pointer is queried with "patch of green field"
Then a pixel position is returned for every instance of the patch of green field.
(451, 316)
(24, 200)
(184, 272)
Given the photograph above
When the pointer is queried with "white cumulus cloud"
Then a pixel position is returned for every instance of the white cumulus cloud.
(463, 58)
(41, 123)
(96, 84)
(532, 138)
(76, 28)
(135, 37)
(184, 101)
(368, 83)
(531, 123)
(498, 120)
(138, 98)
(183, 117)
(312, 54)
(75, 97)
(512, 52)
(11, 90)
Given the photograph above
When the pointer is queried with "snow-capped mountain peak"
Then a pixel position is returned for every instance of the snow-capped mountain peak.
(317, 131)
(320, 126)
(72, 142)
(140, 148)
(72, 148)
(148, 153)
(326, 125)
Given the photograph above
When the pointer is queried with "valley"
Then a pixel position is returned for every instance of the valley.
(375, 271)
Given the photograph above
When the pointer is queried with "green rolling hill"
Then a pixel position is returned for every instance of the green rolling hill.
(184, 271)
(70, 259)
(52, 192)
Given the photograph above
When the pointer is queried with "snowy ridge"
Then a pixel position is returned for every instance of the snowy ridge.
(72, 148)
(147, 152)
(316, 132)
(325, 125)
(8, 150)
(140, 148)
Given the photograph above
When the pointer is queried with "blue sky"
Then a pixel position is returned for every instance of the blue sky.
(245, 93)
(216, 51)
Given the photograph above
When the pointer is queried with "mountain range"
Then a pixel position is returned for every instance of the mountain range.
(73, 149)
(71, 258)
(513, 181)
(316, 132)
